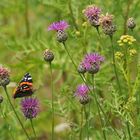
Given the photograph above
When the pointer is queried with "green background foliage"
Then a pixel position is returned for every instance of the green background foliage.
(23, 39)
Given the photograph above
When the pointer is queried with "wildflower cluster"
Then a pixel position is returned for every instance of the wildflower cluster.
(119, 55)
(126, 40)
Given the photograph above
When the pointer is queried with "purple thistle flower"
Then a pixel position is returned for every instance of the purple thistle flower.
(82, 94)
(60, 25)
(4, 76)
(92, 13)
(92, 62)
(60, 28)
(30, 107)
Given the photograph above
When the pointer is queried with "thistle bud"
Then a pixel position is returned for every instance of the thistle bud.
(81, 69)
(131, 23)
(48, 56)
(61, 36)
(4, 76)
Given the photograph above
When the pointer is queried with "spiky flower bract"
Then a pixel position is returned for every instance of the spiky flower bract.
(92, 14)
(131, 23)
(30, 107)
(48, 55)
(81, 94)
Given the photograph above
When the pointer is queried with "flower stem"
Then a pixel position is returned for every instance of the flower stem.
(5, 89)
(128, 129)
(33, 128)
(73, 62)
(27, 24)
(81, 127)
(86, 118)
(96, 100)
(114, 64)
(52, 101)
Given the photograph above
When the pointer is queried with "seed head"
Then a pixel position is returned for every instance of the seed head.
(107, 24)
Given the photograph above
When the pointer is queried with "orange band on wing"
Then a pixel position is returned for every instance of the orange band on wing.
(27, 83)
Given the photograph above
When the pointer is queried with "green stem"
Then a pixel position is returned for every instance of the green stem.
(5, 89)
(128, 129)
(96, 100)
(33, 128)
(86, 118)
(27, 23)
(127, 70)
(81, 127)
(52, 101)
(114, 64)
(73, 62)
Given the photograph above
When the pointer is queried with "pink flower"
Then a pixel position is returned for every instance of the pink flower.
(57, 26)
(81, 93)
(92, 13)
(92, 61)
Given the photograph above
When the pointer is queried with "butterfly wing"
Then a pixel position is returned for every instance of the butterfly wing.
(25, 87)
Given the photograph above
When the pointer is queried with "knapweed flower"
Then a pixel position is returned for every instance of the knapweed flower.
(48, 55)
(4, 76)
(107, 24)
(119, 55)
(131, 23)
(132, 52)
(60, 27)
(81, 94)
(92, 62)
(92, 14)
(126, 40)
(30, 107)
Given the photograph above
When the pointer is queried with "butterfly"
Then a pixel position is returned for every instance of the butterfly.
(25, 87)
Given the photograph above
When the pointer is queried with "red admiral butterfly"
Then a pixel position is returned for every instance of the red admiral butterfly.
(25, 87)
